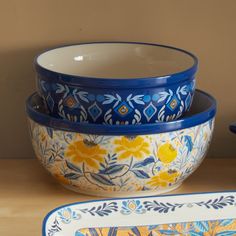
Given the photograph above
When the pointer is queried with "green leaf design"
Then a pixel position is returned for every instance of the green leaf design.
(112, 169)
(72, 176)
(101, 179)
(112, 231)
(73, 167)
(202, 226)
(141, 174)
(226, 233)
(194, 233)
(136, 232)
(226, 222)
(169, 232)
(93, 232)
(145, 162)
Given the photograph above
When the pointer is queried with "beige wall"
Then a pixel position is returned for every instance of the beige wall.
(207, 28)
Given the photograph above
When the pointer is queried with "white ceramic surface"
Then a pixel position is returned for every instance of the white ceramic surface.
(116, 60)
(121, 165)
(189, 214)
(122, 160)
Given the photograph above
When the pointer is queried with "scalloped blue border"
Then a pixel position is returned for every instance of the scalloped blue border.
(118, 83)
(126, 198)
(100, 129)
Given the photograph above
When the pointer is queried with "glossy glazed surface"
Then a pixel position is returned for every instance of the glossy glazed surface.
(125, 163)
(202, 110)
(116, 83)
(121, 165)
(116, 60)
(122, 107)
(187, 214)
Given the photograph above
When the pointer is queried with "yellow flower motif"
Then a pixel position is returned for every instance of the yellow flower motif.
(166, 153)
(86, 152)
(163, 179)
(78, 137)
(139, 188)
(131, 147)
(61, 179)
(42, 137)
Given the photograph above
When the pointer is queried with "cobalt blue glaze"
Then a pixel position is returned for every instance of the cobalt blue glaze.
(122, 106)
(202, 110)
(118, 101)
(233, 128)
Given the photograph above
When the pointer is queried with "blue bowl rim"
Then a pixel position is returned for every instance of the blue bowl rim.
(117, 130)
(96, 82)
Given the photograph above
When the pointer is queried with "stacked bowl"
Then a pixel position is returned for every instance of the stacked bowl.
(233, 127)
(119, 119)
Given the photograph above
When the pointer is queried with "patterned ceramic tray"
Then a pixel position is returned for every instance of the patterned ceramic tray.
(189, 214)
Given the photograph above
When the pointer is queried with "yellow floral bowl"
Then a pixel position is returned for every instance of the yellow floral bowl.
(122, 160)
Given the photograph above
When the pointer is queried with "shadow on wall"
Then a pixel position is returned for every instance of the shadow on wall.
(16, 83)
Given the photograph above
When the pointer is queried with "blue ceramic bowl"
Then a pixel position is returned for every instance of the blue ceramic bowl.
(115, 160)
(116, 83)
(232, 127)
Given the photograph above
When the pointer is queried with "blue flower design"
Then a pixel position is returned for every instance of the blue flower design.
(91, 97)
(130, 206)
(157, 104)
(147, 98)
(67, 215)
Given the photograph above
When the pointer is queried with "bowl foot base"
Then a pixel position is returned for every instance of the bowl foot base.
(122, 194)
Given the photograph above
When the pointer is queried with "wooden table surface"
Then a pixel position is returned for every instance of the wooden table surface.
(27, 191)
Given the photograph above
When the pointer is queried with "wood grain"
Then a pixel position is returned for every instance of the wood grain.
(28, 193)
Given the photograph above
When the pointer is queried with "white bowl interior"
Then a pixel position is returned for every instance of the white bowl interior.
(115, 60)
